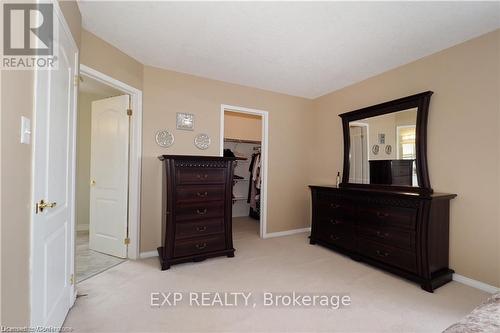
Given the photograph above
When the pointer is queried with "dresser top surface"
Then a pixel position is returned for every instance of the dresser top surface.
(434, 195)
(195, 157)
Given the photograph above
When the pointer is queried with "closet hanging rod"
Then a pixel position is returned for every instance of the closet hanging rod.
(242, 141)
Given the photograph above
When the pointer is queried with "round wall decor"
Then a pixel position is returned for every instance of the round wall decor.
(375, 149)
(164, 138)
(388, 149)
(202, 141)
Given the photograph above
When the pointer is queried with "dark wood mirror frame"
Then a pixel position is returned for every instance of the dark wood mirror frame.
(421, 102)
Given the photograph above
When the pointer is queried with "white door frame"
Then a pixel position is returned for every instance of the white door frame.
(264, 153)
(135, 155)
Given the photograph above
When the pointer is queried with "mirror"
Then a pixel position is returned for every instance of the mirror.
(383, 150)
(385, 145)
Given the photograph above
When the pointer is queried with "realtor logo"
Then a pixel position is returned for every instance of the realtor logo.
(28, 29)
(28, 36)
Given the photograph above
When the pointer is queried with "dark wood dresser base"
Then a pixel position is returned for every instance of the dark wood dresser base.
(166, 263)
(403, 233)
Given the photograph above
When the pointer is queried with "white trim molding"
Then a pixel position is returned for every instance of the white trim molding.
(135, 155)
(475, 284)
(264, 154)
(148, 254)
(287, 232)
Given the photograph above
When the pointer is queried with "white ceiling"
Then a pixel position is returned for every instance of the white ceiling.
(299, 48)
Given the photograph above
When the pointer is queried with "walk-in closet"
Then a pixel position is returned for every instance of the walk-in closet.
(242, 139)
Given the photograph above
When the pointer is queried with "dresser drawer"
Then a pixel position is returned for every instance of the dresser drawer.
(329, 205)
(334, 222)
(388, 254)
(338, 235)
(201, 210)
(199, 245)
(200, 176)
(199, 193)
(398, 217)
(404, 239)
(199, 228)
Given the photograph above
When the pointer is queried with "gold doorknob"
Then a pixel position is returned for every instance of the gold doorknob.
(40, 206)
(92, 182)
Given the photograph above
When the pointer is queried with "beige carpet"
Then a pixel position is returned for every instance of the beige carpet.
(119, 299)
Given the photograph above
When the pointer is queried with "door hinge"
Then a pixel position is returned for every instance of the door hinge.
(76, 80)
(129, 112)
(126, 241)
(72, 279)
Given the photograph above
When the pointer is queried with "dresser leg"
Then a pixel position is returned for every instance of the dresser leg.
(163, 262)
(312, 241)
(427, 286)
(230, 255)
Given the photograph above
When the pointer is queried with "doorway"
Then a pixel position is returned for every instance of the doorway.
(102, 164)
(244, 136)
(107, 173)
(359, 171)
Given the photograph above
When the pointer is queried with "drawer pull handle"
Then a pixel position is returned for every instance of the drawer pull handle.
(201, 211)
(334, 206)
(201, 194)
(334, 237)
(201, 228)
(382, 234)
(201, 246)
(380, 214)
(199, 176)
(335, 222)
(382, 254)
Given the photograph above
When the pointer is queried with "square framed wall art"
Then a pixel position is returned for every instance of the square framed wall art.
(185, 121)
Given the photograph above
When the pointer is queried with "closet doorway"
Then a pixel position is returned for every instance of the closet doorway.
(244, 135)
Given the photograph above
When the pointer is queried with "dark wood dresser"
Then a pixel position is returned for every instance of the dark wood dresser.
(404, 233)
(391, 172)
(196, 208)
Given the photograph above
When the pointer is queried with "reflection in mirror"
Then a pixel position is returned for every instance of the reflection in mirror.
(382, 149)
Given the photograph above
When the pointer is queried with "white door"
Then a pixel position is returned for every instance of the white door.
(52, 238)
(109, 176)
(358, 172)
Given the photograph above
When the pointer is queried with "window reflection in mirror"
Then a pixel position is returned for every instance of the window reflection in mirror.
(383, 150)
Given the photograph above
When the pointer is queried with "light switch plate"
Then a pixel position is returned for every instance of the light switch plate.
(25, 130)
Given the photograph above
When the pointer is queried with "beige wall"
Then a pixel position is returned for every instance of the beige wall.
(290, 130)
(16, 101)
(463, 141)
(73, 17)
(105, 58)
(242, 126)
(387, 124)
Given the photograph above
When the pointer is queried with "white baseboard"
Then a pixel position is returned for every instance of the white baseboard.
(82, 227)
(475, 284)
(286, 232)
(148, 254)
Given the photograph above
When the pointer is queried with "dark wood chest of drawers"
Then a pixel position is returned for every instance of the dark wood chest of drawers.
(196, 208)
(404, 233)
